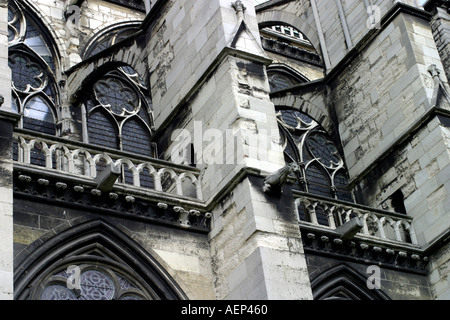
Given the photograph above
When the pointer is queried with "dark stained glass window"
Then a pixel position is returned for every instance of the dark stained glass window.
(136, 137)
(31, 61)
(96, 282)
(102, 129)
(282, 77)
(109, 37)
(58, 292)
(322, 169)
(279, 82)
(116, 94)
(38, 116)
(26, 74)
(119, 113)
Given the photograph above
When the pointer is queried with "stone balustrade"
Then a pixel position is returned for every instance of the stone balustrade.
(377, 224)
(87, 161)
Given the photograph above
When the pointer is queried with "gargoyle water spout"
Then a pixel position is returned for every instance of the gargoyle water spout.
(274, 182)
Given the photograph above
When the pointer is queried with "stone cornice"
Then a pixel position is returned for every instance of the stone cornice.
(291, 51)
(359, 250)
(121, 201)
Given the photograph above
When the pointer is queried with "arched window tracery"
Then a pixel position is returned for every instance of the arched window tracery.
(96, 282)
(92, 260)
(32, 62)
(322, 169)
(342, 282)
(281, 77)
(109, 37)
(119, 113)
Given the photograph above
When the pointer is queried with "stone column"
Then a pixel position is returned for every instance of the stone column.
(206, 63)
(7, 119)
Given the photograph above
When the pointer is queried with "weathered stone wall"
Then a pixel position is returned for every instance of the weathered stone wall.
(228, 120)
(256, 246)
(184, 255)
(390, 143)
(439, 270)
(73, 33)
(440, 24)
(6, 208)
(6, 165)
(334, 27)
(384, 92)
(439, 262)
(185, 44)
(256, 254)
(419, 168)
(344, 23)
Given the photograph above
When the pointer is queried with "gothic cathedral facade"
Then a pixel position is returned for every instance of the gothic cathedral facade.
(224, 149)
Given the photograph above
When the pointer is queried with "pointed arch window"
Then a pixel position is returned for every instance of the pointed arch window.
(109, 36)
(92, 260)
(322, 169)
(97, 281)
(341, 282)
(282, 77)
(119, 112)
(34, 90)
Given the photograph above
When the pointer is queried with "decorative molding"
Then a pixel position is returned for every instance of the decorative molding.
(71, 194)
(63, 248)
(291, 51)
(321, 242)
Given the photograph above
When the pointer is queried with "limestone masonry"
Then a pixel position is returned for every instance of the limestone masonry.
(220, 149)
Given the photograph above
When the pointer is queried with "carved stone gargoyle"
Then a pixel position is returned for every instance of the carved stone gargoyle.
(105, 180)
(349, 229)
(273, 183)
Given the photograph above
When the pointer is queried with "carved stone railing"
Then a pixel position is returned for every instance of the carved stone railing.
(86, 161)
(321, 212)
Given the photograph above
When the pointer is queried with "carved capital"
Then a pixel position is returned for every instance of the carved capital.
(78, 189)
(163, 206)
(24, 178)
(238, 6)
(434, 71)
(96, 192)
(43, 182)
(61, 185)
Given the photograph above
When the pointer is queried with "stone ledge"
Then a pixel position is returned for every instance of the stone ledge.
(367, 251)
(119, 202)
